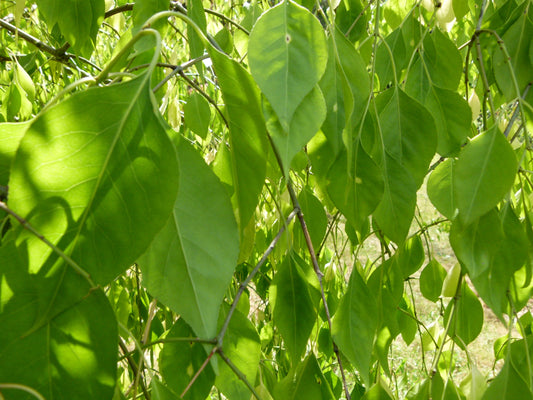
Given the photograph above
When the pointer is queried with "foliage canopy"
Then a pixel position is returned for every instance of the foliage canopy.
(187, 189)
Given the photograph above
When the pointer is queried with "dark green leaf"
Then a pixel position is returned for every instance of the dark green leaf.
(191, 261)
(305, 381)
(180, 360)
(10, 136)
(356, 318)
(293, 309)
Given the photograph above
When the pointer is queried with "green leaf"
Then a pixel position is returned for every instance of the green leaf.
(474, 385)
(305, 123)
(356, 318)
(407, 320)
(161, 392)
(305, 381)
(287, 56)
(191, 261)
(358, 191)
(315, 218)
(243, 347)
(431, 280)
(351, 19)
(58, 335)
(197, 114)
(407, 132)
(179, 361)
(196, 12)
(78, 20)
(492, 248)
(451, 112)
(517, 41)
(513, 380)
(484, 173)
(467, 317)
(98, 161)
(10, 136)
(378, 392)
(441, 59)
(247, 134)
(440, 188)
(410, 256)
(292, 307)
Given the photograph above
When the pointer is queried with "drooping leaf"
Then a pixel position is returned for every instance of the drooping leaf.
(492, 248)
(351, 20)
(196, 11)
(191, 261)
(305, 381)
(243, 347)
(292, 307)
(305, 123)
(161, 391)
(517, 41)
(78, 21)
(467, 317)
(356, 317)
(407, 132)
(356, 192)
(431, 280)
(315, 218)
(84, 170)
(410, 256)
(483, 174)
(287, 56)
(58, 336)
(197, 114)
(247, 135)
(179, 361)
(440, 188)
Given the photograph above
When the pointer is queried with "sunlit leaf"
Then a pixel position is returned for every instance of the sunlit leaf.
(483, 174)
(85, 176)
(287, 55)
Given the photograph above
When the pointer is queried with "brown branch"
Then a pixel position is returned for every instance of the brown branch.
(118, 10)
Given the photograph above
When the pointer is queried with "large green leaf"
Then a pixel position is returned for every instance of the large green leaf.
(440, 188)
(356, 318)
(58, 335)
(467, 317)
(305, 381)
(407, 132)
(97, 175)
(197, 114)
(356, 191)
(450, 111)
(492, 248)
(431, 280)
(287, 56)
(78, 20)
(517, 40)
(315, 218)
(305, 123)
(180, 360)
(292, 307)
(247, 134)
(243, 347)
(190, 263)
(484, 173)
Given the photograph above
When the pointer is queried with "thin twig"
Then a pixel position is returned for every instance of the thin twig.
(237, 372)
(202, 367)
(177, 69)
(249, 278)
(205, 95)
(133, 366)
